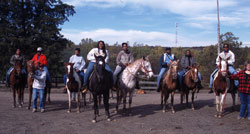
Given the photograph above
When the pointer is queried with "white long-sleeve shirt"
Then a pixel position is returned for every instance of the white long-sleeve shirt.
(39, 79)
(92, 52)
(78, 60)
(224, 56)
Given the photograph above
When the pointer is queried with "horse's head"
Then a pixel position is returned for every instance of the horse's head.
(69, 69)
(223, 66)
(146, 67)
(100, 65)
(31, 66)
(194, 72)
(173, 68)
(18, 67)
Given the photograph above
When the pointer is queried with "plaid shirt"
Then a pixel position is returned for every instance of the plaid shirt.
(244, 81)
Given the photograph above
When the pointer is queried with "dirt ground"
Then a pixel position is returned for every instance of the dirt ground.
(147, 117)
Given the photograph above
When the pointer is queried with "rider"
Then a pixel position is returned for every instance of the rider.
(100, 49)
(17, 56)
(123, 59)
(164, 61)
(186, 61)
(79, 63)
(224, 55)
(40, 59)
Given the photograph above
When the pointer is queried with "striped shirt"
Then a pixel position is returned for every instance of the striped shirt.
(244, 81)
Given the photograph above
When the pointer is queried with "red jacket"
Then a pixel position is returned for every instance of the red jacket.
(244, 81)
(42, 59)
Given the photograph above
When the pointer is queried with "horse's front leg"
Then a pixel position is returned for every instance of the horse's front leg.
(106, 105)
(161, 99)
(95, 108)
(217, 105)
(14, 96)
(172, 102)
(193, 93)
(233, 98)
(78, 101)
(19, 97)
(69, 95)
(22, 95)
(130, 100)
(30, 95)
(165, 102)
(117, 100)
(222, 104)
(187, 94)
(124, 100)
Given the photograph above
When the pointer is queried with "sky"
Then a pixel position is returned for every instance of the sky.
(153, 22)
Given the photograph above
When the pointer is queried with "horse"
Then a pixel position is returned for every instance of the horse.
(190, 83)
(168, 85)
(73, 84)
(221, 86)
(127, 80)
(100, 83)
(31, 70)
(17, 83)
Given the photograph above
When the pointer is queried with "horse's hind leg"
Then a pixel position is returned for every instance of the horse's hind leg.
(118, 100)
(78, 101)
(193, 93)
(14, 96)
(22, 92)
(187, 93)
(106, 105)
(95, 108)
(172, 102)
(30, 95)
(130, 101)
(19, 97)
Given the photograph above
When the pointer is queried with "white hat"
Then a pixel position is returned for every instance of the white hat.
(39, 49)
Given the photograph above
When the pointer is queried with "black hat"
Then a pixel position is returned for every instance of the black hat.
(168, 48)
(78, 49)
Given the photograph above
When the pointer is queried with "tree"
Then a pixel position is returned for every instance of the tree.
(27, 24)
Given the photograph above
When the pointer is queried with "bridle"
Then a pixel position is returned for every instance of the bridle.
(142, 66)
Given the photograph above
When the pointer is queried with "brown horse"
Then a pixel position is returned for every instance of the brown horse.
(17, 82)
(169, 85)
(221, 86)
(190, 83)
(31, 70)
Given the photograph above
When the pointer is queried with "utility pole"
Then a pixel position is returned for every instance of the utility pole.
(176, 34)
(218, 28)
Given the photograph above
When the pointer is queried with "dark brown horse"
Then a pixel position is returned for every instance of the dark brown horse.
(31, 70)
(190, 83)
(17, 83)
(169, 85)
(221, 86)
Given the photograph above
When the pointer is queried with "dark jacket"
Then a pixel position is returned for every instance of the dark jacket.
(187, 61)
(16, 57)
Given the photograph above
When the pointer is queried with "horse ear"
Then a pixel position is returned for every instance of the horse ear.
(66, 63)
(147, 57)
(143, 57)
(198, 65)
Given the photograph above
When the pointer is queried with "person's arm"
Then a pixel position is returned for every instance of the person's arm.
(82, 64)
(217, 61)
(12, 62)
(235, 77)
(131, 58)
(232, 59)
(43, 60)
(107, 56)
(90, 55)
(162, 63)
(23, 61)
(118, 58)
(183, 62)
(71, 59)
(41, 77)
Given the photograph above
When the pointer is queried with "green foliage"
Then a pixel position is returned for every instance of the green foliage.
(27, 24)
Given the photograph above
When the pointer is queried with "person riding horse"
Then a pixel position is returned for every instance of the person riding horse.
(123, 59)
(186, 61)
(15, 57)
(79, 64)
(165, 59)
(40, 59)
(224, 55)
(100, 49)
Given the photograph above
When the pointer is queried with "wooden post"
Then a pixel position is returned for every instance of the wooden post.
(218, 28)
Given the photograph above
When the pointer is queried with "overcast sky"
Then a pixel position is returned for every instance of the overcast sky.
(153, 22)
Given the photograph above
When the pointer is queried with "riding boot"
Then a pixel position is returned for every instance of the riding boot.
(211, 91)
(84, 89)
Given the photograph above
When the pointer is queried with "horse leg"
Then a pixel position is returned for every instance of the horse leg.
(90, 97)
(106, 105)
(22, 91)
(49, 89)
(181, 97)
(69, 94)
(165, 102)
(193, 93)
(124, 101)
(100, 99)
(161, 99)
(172, 102)
(78, 101)
(222, 103)
(217, 105)
(187, 93)
(19, 97)
(233, 98)
(95, 107)
(130, 101)
(117, 100)
(30, 95)
(84, 99)
(14, 96)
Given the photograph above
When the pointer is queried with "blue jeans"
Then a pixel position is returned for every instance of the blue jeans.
(160, 75)
(47, 73)
(34, 97)
(182, 72)
(90, 69)
(231, 71)
(245, 103)
(9, 71)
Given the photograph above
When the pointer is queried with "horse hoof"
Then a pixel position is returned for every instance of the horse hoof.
(173, 112)
(216, 116)
(192, 108)
(78, 112)
(69, 111)
(219, 116)
(108, 119)
(14, 106)
(28, 108)
(20, 106)
(93, 121)
(116, 111)
(164, 111)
